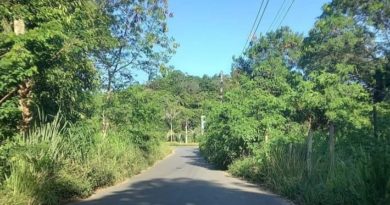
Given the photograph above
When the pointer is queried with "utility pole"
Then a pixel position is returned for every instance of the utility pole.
(221, 86)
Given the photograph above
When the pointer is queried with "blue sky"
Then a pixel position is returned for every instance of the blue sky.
(210, 32)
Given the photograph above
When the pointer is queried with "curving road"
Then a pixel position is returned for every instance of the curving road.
(183, 178)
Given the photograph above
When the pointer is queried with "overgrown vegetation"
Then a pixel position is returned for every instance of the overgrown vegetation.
(308, 116)
(54, 162)
(71, 117)
(305, 116)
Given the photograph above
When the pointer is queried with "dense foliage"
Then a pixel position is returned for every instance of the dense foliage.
(308, 117)
(61, 136)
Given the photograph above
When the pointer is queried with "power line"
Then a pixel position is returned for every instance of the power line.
(258, 23)
(253, 26)
(278, 14)
(292, 2)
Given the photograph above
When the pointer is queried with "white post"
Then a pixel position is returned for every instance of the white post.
(19, 27)
(202, 123)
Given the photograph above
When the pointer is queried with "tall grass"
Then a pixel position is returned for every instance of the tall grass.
(56, 161)
(284, 171)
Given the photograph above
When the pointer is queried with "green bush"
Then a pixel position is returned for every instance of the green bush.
(247, 168)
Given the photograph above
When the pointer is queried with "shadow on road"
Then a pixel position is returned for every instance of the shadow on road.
(182, 191)
(186, 190)
(196, 159)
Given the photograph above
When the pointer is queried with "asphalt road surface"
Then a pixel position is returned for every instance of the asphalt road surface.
(184, 178)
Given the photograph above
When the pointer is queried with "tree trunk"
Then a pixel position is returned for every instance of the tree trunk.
(105, 125)
(309, 147)
(331, 145)
(25, 87)
(24, 92)
(105, 121)
(109, 83)
(375, 120)
(7, 96)
(171, 131)
(379, 95)
(186, 131)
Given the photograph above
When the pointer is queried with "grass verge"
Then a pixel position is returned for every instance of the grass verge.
(55, 163)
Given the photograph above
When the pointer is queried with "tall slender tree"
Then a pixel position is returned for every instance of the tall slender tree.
(140, 41)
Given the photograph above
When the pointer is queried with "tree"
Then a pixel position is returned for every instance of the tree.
(307, 110)
(255, 111)
(189, 119)
(373, 16)
(282, 44)
(329, 62)
(140, 41)
(231, 131)
(172, 111)
(272, 59)
(41, 63)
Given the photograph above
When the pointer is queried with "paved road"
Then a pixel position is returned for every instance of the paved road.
(183, 178)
